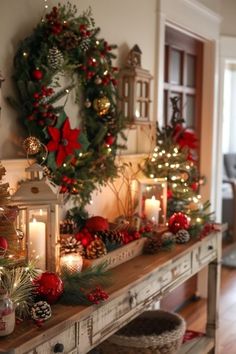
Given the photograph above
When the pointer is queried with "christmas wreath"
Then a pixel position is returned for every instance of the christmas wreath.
(64, 45)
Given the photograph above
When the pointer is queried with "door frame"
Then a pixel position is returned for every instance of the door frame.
(186, 15)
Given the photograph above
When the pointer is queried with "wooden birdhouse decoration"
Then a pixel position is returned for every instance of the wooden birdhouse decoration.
(135, 89)
(38, 200)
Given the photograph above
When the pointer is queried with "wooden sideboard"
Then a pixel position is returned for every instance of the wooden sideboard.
(136, 285)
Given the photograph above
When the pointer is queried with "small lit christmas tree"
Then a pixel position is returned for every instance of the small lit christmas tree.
(175, 158)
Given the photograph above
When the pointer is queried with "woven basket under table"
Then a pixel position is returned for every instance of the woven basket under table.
(154, 332)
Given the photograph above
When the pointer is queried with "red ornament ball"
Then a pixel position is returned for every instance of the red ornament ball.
(96, 223)
(178, 221)
(37, 74)
(49, 286)
(109, 139)
(3, 245)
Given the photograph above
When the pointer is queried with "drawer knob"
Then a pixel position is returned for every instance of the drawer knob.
(210, 247)
(58, 348)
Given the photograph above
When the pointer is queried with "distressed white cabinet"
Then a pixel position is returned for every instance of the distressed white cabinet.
(136, 284)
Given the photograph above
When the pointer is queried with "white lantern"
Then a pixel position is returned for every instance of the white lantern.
(153, 199)
(38, 200)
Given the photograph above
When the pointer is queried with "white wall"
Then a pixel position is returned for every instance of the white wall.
(123, 22)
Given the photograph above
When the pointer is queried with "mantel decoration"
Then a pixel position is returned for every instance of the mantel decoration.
(63, 46)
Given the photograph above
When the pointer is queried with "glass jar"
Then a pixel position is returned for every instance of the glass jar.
(7, 314)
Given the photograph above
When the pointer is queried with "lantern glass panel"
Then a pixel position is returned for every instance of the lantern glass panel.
(139, 89)
(33, 222)
(153, 200)
(126, 88)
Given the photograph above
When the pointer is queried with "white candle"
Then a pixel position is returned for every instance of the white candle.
(37, 243)
(72, 262)
(151, 209)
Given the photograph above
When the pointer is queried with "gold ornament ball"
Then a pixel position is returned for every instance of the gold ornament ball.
(101, 105)
(32, 145)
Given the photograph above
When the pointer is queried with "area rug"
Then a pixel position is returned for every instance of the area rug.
(229, 258)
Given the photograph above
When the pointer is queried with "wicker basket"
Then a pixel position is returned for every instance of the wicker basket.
(158, 332)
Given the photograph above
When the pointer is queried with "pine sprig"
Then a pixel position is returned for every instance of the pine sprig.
(77, 284)
(18, 283)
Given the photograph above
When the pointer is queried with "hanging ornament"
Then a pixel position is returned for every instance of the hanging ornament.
(178, 221)
(37, 74)
(49, 286)
(32, 145)
(98, 80)
(87, 103)
(182, 236)
(96, 249)
(55, 58)
(194, 206)
(41, 310)
(101, 105)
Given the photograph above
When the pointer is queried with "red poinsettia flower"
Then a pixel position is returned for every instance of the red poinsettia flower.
(185, 137)
(64, 141)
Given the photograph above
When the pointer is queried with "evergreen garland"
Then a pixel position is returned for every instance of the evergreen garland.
(64, 44)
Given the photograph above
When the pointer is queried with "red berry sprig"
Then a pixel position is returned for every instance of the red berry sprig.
(97, 295)
(207, 229)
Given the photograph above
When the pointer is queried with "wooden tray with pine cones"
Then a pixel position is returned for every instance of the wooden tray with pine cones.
(119, 255)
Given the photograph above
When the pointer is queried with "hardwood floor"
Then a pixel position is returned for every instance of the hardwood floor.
(195, 313)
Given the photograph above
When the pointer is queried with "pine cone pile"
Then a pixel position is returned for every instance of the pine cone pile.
(96, 249)
(55, 58)
(41, 310)
(71, 245)
(111, 236)
(182, 236)
(152, 245)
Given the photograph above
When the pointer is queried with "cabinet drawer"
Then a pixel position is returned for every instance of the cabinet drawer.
(66, 338)
(208, 248)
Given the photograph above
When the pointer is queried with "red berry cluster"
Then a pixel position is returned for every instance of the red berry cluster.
(97, 295)
(42, 111)
(68, 185)
(56, 27)
(84, 32)
(207, 229)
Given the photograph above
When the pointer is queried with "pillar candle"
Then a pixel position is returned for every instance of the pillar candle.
(151, 209)
(37, 242)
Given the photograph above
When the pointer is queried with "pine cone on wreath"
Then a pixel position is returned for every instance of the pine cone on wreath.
(55, 58)
(71, 245)
(182, 236)
(112, 236)
(69, 41)
(41, 310)
(152, 245)
(96, 249)
(84, 44)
